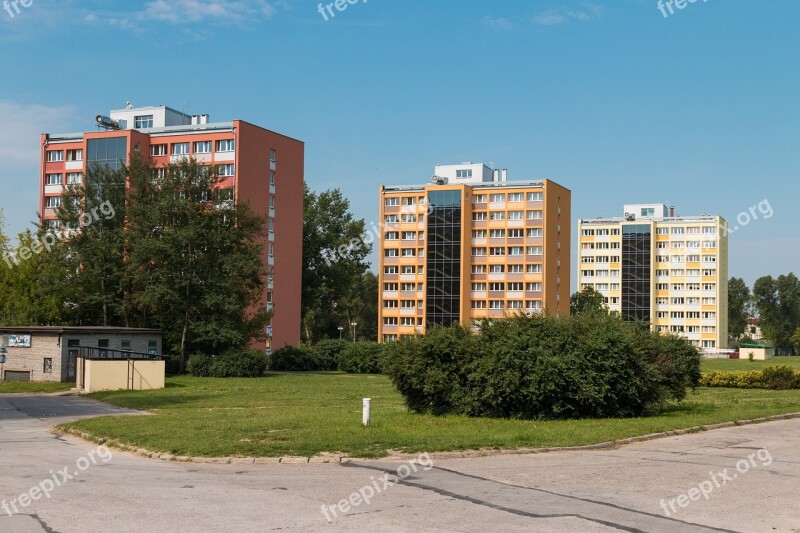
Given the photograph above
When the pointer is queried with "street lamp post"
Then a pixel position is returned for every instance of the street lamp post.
(341, 328)
(354, 324)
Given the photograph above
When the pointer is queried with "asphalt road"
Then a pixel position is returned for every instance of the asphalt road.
(734, 479)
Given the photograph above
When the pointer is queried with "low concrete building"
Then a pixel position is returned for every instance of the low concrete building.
(50, 353)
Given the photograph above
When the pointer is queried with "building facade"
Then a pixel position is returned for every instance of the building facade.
(50, 353)
(652, 266)
(471, 245)
(261, 168)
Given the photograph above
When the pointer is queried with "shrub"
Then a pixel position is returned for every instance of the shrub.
(363, 357)
(779, 377)
(200, 365)
(293, 359)
(243, 363)
(326, 353)
(592, 365)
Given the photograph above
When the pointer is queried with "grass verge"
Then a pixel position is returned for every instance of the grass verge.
(308, 414)
(746, 364)
(16, 387)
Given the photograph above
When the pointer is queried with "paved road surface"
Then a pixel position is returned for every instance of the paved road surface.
(602, 490)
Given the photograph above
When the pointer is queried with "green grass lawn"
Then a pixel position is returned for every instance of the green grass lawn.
(7, 387)
(746, 364)
(306, 414)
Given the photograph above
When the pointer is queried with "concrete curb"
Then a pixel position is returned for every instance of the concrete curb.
(465, 454)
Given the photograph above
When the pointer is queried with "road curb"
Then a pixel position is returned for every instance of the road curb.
(463, 454)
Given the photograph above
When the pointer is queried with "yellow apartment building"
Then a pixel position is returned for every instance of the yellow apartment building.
(471, 245)
(669, 271)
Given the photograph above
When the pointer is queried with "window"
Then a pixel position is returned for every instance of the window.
(391, 202)
(479, 199)
(496, 304)
(409, 235)
(75, 155)
(479, 234)
(533, 287)
(55, 156)
(515, 197)
(273, 155)
(390, 270)
(535, 196)
(103, 343)
(48, 365)
(407, 304)
(391, 287)
(180, 149)
(463, 174)
(479, 269)
(55, 179)
(407, 218)
(662, 231)
(534, 250)
(533, 269)
(497, 233)
(390, 321)
(515, 269)
(272, 179)
(53, 202)
(497, 198)
(648, 211)
(227, 145)
(391, 219)
(126, 345)
(478, 304)
(497, 250)
(390, 304)
(202, 147)
(408, 269)
(497, 269)
(497, 215)
(391, 236)
(478, 252)
(515, 234)
(409, 252)
(224, 171)
(479, 216)
(478, 287)
(515, 304)
(158, 149)
(534, 232)
(143, 121)
(514, 287)
(390, 252)
(74, 178)
(515, 250)
(515, 215)
(536, 215)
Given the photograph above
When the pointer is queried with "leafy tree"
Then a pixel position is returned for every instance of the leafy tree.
(585, 301)
(738, 307)
(796, 340)
(195, 259)
(335, 246)
(93, 217)
(778, 305)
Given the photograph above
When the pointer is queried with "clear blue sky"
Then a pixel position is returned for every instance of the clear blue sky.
(610, 98)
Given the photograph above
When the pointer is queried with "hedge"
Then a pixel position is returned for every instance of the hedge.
(243, 363)
(780, 377)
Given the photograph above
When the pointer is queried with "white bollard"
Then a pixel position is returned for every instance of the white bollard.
(365, 419)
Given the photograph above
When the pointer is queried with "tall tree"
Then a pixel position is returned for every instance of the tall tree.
(586, 300)
(92, 215)
(335, 246)
(195, 258)
(738, 307)
(778, 305)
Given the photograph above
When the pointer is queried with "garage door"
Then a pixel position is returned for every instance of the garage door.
(17, 376)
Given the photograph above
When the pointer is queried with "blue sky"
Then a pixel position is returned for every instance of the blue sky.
(698, 109)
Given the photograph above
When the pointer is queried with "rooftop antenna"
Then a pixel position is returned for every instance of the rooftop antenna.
(128, 105)
(185, 112)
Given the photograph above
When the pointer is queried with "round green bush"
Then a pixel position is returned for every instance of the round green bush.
(293, 359)
(242, 363)
(589, 366)
(200, 365)
(363, 357)
(326, 353)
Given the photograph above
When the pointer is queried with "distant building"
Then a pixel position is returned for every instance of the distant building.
(260, 167)
(652, 266)
(753, 329)
(471, 245)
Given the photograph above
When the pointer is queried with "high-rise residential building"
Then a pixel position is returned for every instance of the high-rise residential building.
(260, 167)
(471, 245)
(652, 266)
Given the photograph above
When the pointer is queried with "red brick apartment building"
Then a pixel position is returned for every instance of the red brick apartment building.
(265, 169)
